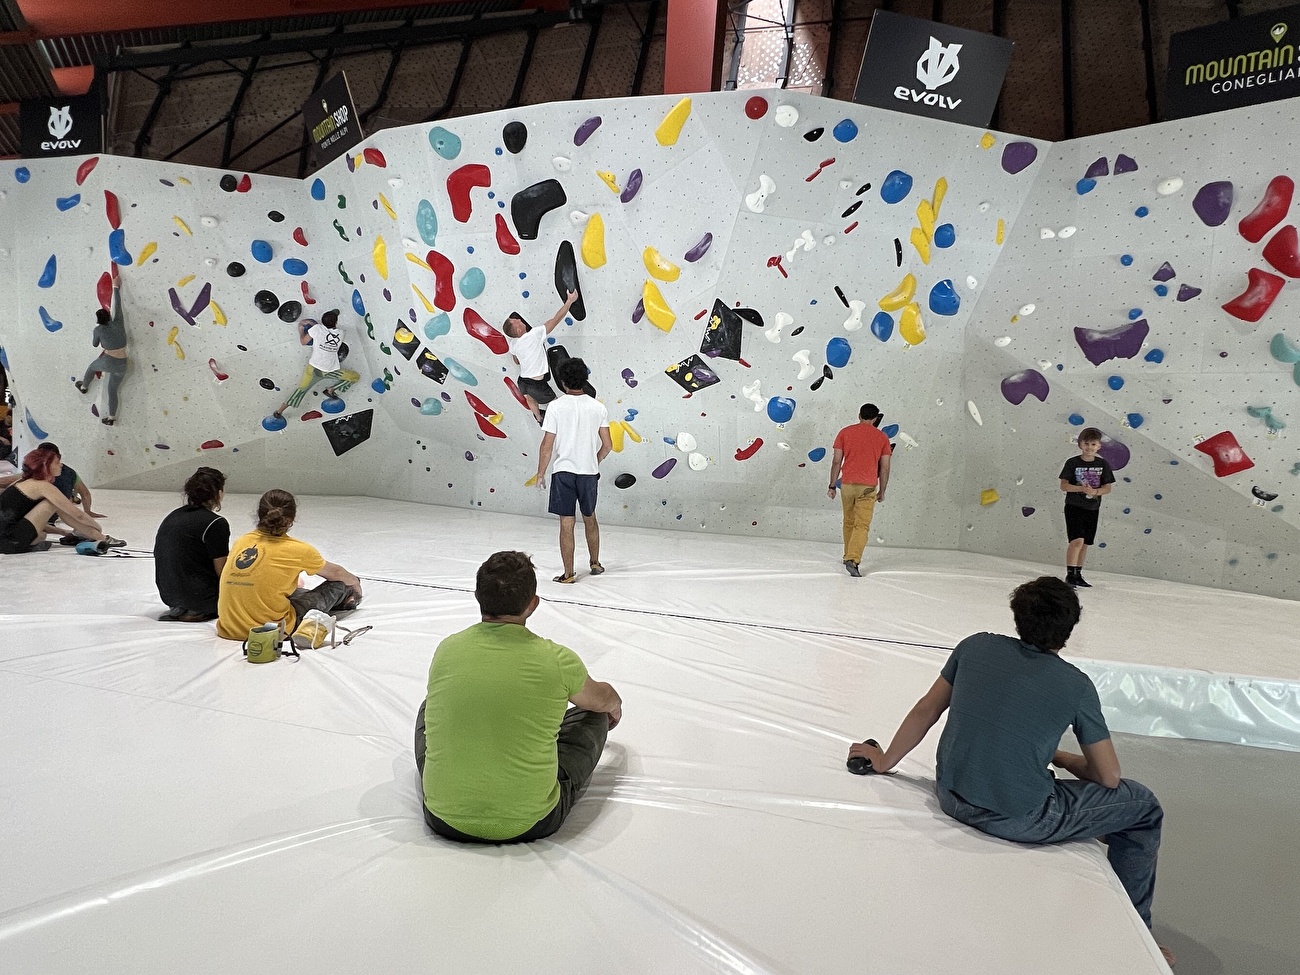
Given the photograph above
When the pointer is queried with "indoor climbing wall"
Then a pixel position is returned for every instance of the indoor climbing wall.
(1148, 290)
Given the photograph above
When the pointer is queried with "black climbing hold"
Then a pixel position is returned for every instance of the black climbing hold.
(814, 134)
(266, 302)
(566, 279)
(275, 216)
(751, 316)
(840, 294)
(898, 252)
(796, 331)
(530, 204)
(242, 348)
(290, 312)
(851, 210)
(515, 135)
(346, 432)
(624, 481)
(235, 269)
(862, 189)
(343, 351)
(266, 384)
(228, 183)
(723, 334)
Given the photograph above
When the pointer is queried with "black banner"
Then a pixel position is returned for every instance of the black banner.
(68, 126)
(331, 120)
(1239, 62)
(929, 69)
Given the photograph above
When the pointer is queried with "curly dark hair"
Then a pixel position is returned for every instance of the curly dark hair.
(204, 486)
(572, 374)
(506, 583)
(1046, 611)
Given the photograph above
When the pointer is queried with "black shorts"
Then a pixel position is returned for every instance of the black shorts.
(16, 536)
(570, 491)
(1081, 522)
(539, 389)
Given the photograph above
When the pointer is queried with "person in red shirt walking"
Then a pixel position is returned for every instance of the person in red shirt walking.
(862, 458)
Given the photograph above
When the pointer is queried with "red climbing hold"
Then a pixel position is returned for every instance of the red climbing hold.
(444, 294)
(245, 184)
(112, 209)
(505, 239)
(1271, 210)
(478, 406)
(299, 236)
(1228, 456)
(1283, 251)
(756, 107)
(514, 391)
(744, 453)
(460, 182)
(86, 168)
(485, 425)
(306, 297)
(374, 157)
(1252, 303)
(485, 333)
(104, 291)
(311, 415)
(211, 445)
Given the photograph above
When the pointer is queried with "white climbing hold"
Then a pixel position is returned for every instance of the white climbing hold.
(757, 200)
(208, 222)
(685, 442)
(907, 440)
(828, 239)
(984, 208)
(1026, 310)
(1019, 481)
(1047, 233)
(974, 412)
(1044, 364)
(1067, 232)
(210, 261)
(805, 367)
(786, 116)
(1002, 342)
(783, 445)
(697, 461)
(846, 184)
(782, 321)
(562, 163)
(972, 282)
(577, 217)
(1171, 185)
(751, 393)
(395, 182)
(854, 321)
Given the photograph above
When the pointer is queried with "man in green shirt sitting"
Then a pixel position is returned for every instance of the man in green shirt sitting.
(501, 755)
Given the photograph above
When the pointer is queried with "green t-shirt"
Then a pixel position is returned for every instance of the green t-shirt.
(1011, 702)
(497, 695)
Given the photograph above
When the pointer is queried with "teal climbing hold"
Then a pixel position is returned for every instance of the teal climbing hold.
(472, 282)
(426, 222)
(439, 324)
(444, 143)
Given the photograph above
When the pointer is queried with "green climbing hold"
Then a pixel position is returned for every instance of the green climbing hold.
(343, 273)
(385, 349)
(343, 202)
(342, 233)
(370, 326)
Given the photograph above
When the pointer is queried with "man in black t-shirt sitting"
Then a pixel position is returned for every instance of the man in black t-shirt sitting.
(190, 550)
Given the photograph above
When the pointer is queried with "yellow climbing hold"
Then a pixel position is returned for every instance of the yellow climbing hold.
(171, 340)
(925, 216)
(987, 141)
(627, 428)
(940, 191)
(616, 436)
(593, 242)
(183, 225)
(185, 280)
(658, 266)
(671, 127)
(218, 316)
(379, 254)
(1002, 231)
(609, 179)
(403, 335)
(182, 179)
(495, 419)
(532, 481)
(910, 326)
(656, 309)
(423, 300)
(900, 296)
(145, 253)
(989, 496)
(417, 260)
(388, 209)
(921, 243)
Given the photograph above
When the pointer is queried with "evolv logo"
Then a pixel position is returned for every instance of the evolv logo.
(936, 66)
(59, 125)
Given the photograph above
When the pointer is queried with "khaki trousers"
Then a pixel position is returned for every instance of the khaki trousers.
(859, 502)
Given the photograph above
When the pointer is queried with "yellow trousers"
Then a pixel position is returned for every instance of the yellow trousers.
(859, 502)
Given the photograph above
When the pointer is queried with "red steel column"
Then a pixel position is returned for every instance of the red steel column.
(693, 56)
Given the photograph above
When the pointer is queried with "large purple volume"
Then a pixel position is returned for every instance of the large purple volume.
(1102, 344)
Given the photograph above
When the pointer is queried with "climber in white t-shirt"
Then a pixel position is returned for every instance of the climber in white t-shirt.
(326, 339)
(528, 347)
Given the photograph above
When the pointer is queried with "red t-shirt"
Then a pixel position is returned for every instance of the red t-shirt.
(863, 446)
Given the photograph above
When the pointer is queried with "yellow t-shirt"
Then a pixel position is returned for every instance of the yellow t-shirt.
(260, 575)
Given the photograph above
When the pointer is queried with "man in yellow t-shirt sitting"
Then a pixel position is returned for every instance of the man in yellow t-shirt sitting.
(501, 755)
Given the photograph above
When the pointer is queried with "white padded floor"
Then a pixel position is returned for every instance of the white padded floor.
(168, 807)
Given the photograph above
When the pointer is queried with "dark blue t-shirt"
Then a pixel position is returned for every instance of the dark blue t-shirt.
(66, 481)
(1011, 703)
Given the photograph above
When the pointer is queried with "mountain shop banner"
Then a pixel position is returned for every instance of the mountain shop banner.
(1238, 62)
(331, 121)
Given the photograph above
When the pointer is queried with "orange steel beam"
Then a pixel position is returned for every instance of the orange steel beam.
(693, 54)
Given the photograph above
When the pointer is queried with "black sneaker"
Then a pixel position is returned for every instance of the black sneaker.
(852, 569)
(1080, 582)
(80, 386)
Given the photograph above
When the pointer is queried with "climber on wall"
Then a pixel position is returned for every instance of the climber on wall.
(110, 336)
(528, 348)
(326, 339)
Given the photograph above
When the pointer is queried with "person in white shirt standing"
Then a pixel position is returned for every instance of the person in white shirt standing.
(528, 347)
(326, 339)
(576, 434)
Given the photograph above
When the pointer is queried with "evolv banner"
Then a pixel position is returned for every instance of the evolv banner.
(1239, 62)
(930, 69)
(61, 126)
(331, 120)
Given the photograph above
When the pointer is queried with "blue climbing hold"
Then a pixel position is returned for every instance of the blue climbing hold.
(1141, 212)
(472, 282)
(1115, 382)
(1155, 355)
(846, 130)
(945, 235)
(817, 454)
(426, 222)
(333, 404)
(273, 423)
(444, 143)
(1161, 290)
(37, 432)
(1135, 420)
(22, 174)
(66, 203)
(890, 431)
(51, 324)
(780, 409)
(117, 248)
(896, 187)
(358, 305)
(944, 299)
(1126, 260)
(439, 324)
(317, 189)
(261, 252)
(1076, 420)
(49, 274)
(1085, 185)
(1134, 314)
(882, 326)
(838, 351)
(295, 267)
(378, 386)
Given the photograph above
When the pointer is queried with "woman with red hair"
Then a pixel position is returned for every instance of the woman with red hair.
(26, 507)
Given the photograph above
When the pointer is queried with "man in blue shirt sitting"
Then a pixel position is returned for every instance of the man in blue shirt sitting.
(1010, 702)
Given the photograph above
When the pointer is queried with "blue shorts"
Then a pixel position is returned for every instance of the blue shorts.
(570, 490)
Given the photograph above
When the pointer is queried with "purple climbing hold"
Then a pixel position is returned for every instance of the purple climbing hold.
(1125, 164)
(632, 188)
(1115, 453)
(1102, 344)
(585, 130)
(1186, 292)
(638, 312)
(1166, 273)
(1100, 168)
(700, 249)
(1027, 511)
(1018, 156)
(1213, 202)
(629, 377)
(662, 470)
(1029, 382)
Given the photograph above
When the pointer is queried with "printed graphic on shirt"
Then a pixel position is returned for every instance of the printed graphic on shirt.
(246, 558)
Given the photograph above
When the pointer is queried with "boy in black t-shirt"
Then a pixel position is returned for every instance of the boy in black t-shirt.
(1085, 479)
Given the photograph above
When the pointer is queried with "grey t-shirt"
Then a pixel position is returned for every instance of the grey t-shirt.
(113, 335)
(1011, 702)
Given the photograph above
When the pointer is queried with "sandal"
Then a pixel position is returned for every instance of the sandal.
(566, 580)
(597, 568)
